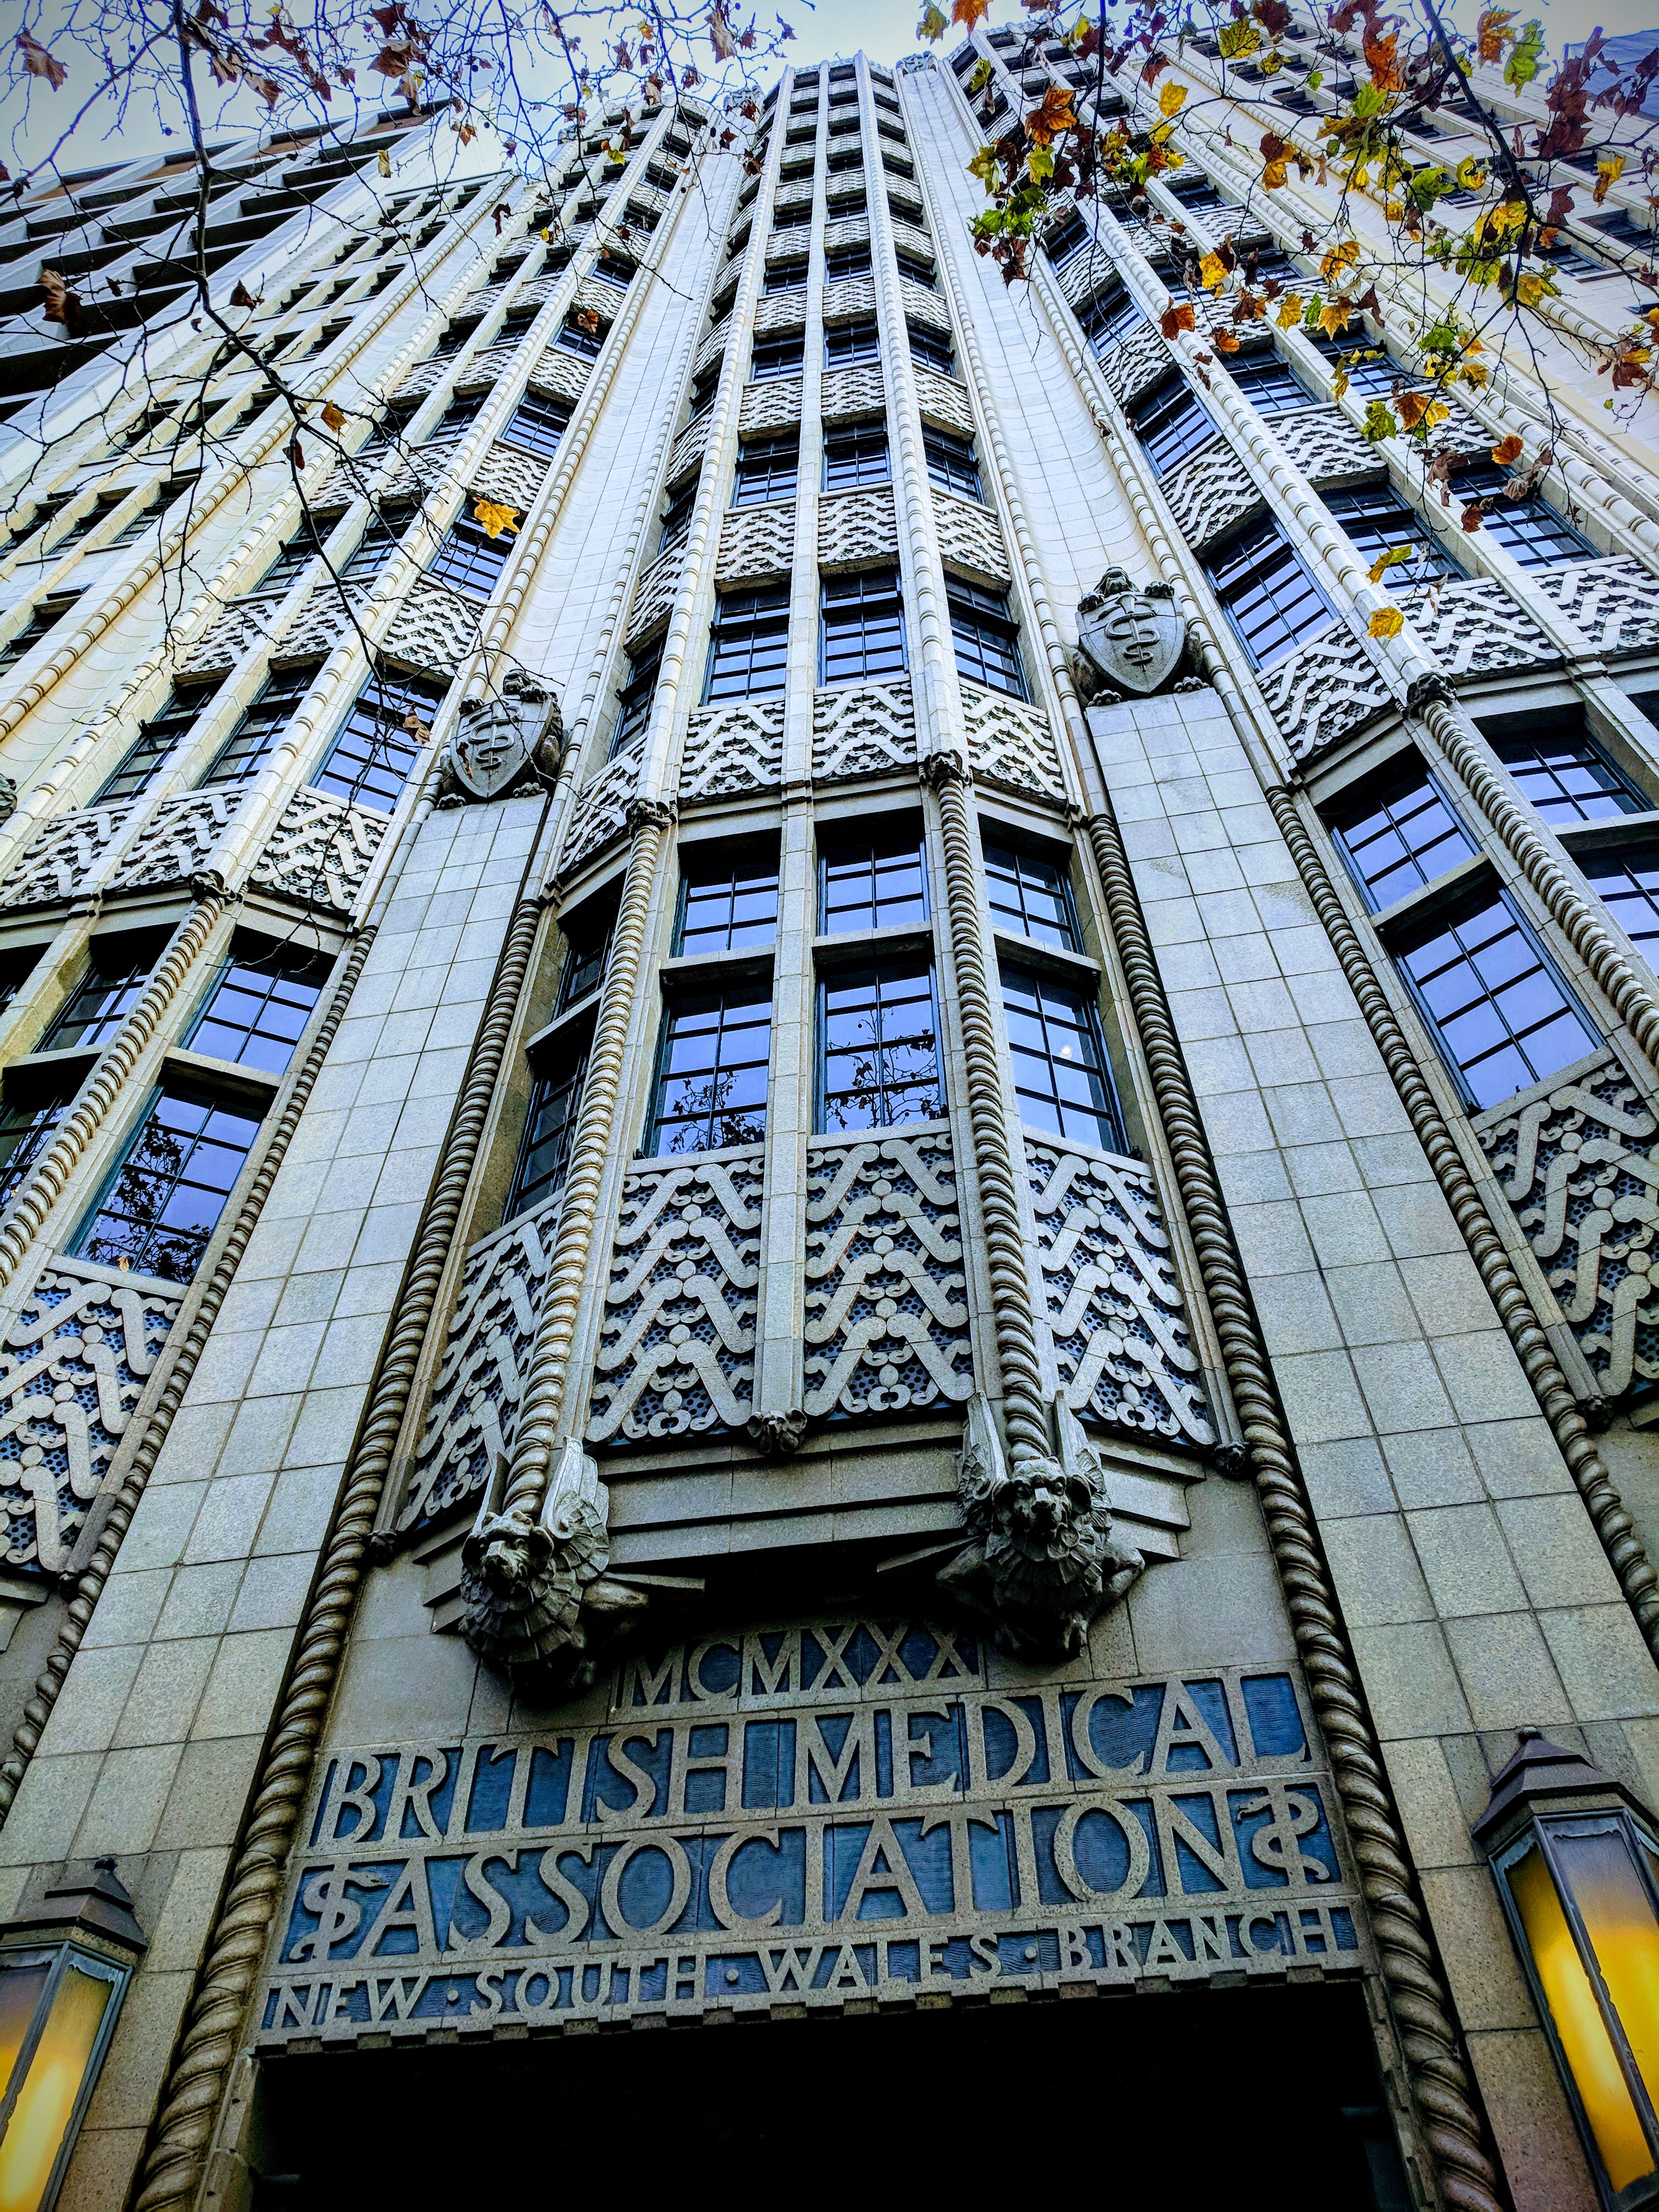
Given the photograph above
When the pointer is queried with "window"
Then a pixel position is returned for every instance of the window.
(296, 555)
(778, 357)
(1068, 241)
(1108, 318)
(1270, 599)
(1269, 382)
(165, 1200)
(952, 465)
(1376, 520)
(677, 515)
(153, 510)
(711, 1071)
(851, 343)
(381, 535)
(791, 218)
(863, 627)
(1500, 1016)
(515, 326)
(24, 1134)
(249, 745)
(1172, 422)
(580, 333)
(842, 207)
(766, 469)
(119, 969)
(703, 389)
(369, 761)
(1199, 192)
(42, 618)
(785, 276)
(916, 269)
(456, 418)
(470, 560)
(633, 699)
(1530, 528)
(856, 453)
(585, 963)
(931, 349)
(987, 637)
(1031, 896)
(874, 881)
(1399, 836)
(611, 268)
(550, 1124)
(1367, 366)
(1567, 777)
(389, 432)
(155, 740)
(880, 1047)
(258, 1006)
(1060, 1077)
(453, 337)
(537, 425)
(725, 902)
(747, 643)
(1628, 881)
(843, 263)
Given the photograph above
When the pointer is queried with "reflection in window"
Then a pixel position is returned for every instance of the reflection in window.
(711, 1078)
(165, 1198)
(1502, 1020)
(112, 987)
(987, 637)
(251, 742)
(544, 1149)
(747, 643)
(1400, 838)
(1171, 421)
(1061, 1075)
(880, 1045)
(634, 697)
(863, 625)
(849, 344)
(1378, 521)
(1567, 777)
(155, 740)
(1629, 882)
(874, 882)
(855, 453)
(1270, 599)
(725, 902)
(259, 1007)
(1530, 528)
(1030, 896)
(767, 470)
(952, 464)
(368, 763)
(24, 1134)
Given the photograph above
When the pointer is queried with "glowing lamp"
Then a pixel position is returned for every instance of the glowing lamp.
(63, 1972)
(1576, 1862)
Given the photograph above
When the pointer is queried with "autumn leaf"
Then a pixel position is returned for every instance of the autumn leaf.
(1492, 34)
(1040, 163)
(1175, 320)
(1169, 101)
(720, 33)
(333, 418)
(968, 12)
(1339, 259)
(1379, 423)
(1333, 318)
(60, 304)
(415, 728)
(383, 162)
(1414, 405)
(1608, 170)
(1238, 39)
(495, 518)
(1390, 559)
(1213, 272)
(1044, 123)
(1469, 520)
(1507, 450)
(241, 297)
(1471, 177)
(1224, 342)
(984, 166)
(1340, 383)
(37, 62)
(1386, 622)
(933, 26)
(1291, 310)
(1273, 174)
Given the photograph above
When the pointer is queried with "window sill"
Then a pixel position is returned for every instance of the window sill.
(250, 1086)
(856, 948)
(38, 1076)
(1445, 892)
(686, 971)
(1073, 968)
(554, 1038)
(1613, 829)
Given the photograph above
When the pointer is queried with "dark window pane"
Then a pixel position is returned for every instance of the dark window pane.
(584, 968)
(1629, 882)
(845, 261)
(538, 424)
(42, 619)
(257, 1009)
(874, 881)
(880, 1047)
(850, 343)
(914, 270)
(1269, 382)
(748, 645)
(468, 560)
(581, 335)
(169, 1193)
(381, 536)
(254, 739)
(299, 551)
(855, 453)
(1271, 599)
(1377, 520)
(155, 740)
(778, 357)
(635, 696)
(1107, 319)
(1060, 1075)
(1530, 528)
(785, 276)
(544, 1149)
(711, 1085)
(931, 349)
(24, 1132)
(863, 625)
(726, 903)
(768, 469)
(368, 762)
(1568, 778)
(112, 986)
(1172, 422)
(952, 464)
(1502, 1018)
(1400, 839)
(987, 639)
(1030, 896)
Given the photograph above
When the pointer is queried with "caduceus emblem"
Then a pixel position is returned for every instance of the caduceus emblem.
(1132, 633)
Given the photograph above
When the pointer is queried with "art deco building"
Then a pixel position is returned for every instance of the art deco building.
(819, 1219)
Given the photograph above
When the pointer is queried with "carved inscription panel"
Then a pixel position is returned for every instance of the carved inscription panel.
(808, 1814)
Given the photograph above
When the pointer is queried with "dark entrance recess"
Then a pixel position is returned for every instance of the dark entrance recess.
(1182, 2099)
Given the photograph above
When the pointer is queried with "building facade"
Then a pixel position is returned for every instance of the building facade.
(818, 1215)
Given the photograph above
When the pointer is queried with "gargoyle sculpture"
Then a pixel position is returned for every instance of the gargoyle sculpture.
(1043, 1560)
(538, 1599)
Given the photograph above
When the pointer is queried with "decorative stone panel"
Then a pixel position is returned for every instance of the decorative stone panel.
(1084, 274)
(944, 401)
(433, 628)
(919, 305)
(1139, 360)
(1615, 603)
(601, 814)
(321, 851)
(858, 527)
(849, 301)
(969, 538)
(735, 748)
(1211, 494)
(785, 245)
(559, 374)
(1472, 625)
(653, 595)
(242, 626)
(756, 541)
(425, 376)
(63, 855)
(1576, 1162)
(480, 1380)
(1322, 692)
(886, 1289)
(1012, 744)
(1121, 1347)
(1326, 446)
(712, 347)
(72, 1369)
(324, 615)
(496, 361)
(540, 289)
(177, 839)
(902, 197)
(781, 311)
(858, 391)
(677, 1354)
(851, 230)
(512, 478)
(863, 729)
(772, 405)
(908, 239)
(688, 447)
(594, 295)
(795, 192)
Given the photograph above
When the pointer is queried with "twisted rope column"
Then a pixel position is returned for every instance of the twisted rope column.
(89, 1585)
(1625, 1555)
(1421, 2003)
(183, 2131)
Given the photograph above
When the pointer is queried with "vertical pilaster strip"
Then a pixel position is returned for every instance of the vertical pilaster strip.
(176, 2156)
(89, 1585)
(1436, 2069)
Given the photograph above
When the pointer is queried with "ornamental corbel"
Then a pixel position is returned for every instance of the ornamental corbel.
(937, 769)
(651, 814)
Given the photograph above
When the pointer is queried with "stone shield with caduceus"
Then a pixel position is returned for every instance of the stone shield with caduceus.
(1132, 633)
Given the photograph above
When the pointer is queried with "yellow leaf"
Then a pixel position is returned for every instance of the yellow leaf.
(1169, 99)
(1339, 259)
(1340, 385)
(332, 417)
(1507, 450)
(1238, 39)
(1608, 170)
(984, 166)
(495, 518)
(933, 26)
(1414, 405)
(1175, 319)
(1474, 374)
(1224, 341)
(1040, 161)
(1273, 175)
(1386, 622)
(383, 162)
(1333, 318)
(968, 12)
(1211, 275)
(1471, 177)
(1529, 290)
(1289, 311)
(1434, 414)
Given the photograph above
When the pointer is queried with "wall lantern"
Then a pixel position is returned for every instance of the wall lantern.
(63, 1972)
(1576, 1861)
